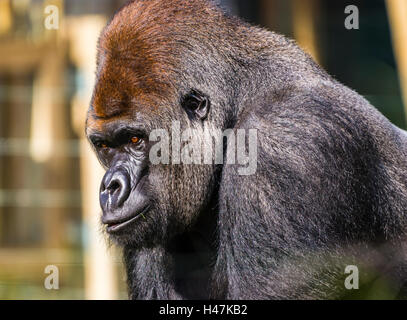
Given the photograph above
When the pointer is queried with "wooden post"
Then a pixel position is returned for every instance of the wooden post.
(397, 11)
(304, 25)
(5, 16)
(48, 127)
(100, 276)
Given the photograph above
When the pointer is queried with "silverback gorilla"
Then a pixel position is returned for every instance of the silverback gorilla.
(329, 190)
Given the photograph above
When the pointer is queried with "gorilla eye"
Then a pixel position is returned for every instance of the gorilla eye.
(101, 145)
(196, 105)
(135, 140)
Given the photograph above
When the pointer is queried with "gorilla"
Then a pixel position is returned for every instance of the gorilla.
(329, 191)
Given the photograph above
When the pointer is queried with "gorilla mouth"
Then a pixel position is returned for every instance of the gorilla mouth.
(120, 224)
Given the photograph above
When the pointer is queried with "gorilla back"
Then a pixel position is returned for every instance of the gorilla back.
(330, 186)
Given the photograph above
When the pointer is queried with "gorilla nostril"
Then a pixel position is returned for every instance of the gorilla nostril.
(114, 186)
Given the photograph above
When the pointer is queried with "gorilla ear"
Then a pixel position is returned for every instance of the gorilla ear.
(196, 105)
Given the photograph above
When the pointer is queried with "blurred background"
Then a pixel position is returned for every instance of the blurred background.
(49, 178)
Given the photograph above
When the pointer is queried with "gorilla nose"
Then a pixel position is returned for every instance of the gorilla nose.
(115, 189)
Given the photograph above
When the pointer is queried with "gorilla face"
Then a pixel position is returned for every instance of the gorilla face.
(124, 196)
(145, 203)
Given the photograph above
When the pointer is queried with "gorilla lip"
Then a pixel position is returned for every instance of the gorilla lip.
(113, 227)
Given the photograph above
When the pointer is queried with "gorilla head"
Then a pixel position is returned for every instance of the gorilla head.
(153, 70)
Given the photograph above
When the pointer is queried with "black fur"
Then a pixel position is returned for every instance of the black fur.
(331, 183)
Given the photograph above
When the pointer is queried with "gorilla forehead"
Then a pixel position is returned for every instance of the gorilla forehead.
(161, 16)
(126, 73)
(156, 33)
(128, 85)
(147, 52)
(140, 55)
(156, 28)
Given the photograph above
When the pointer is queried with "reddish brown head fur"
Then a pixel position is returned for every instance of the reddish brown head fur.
(139, 55)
